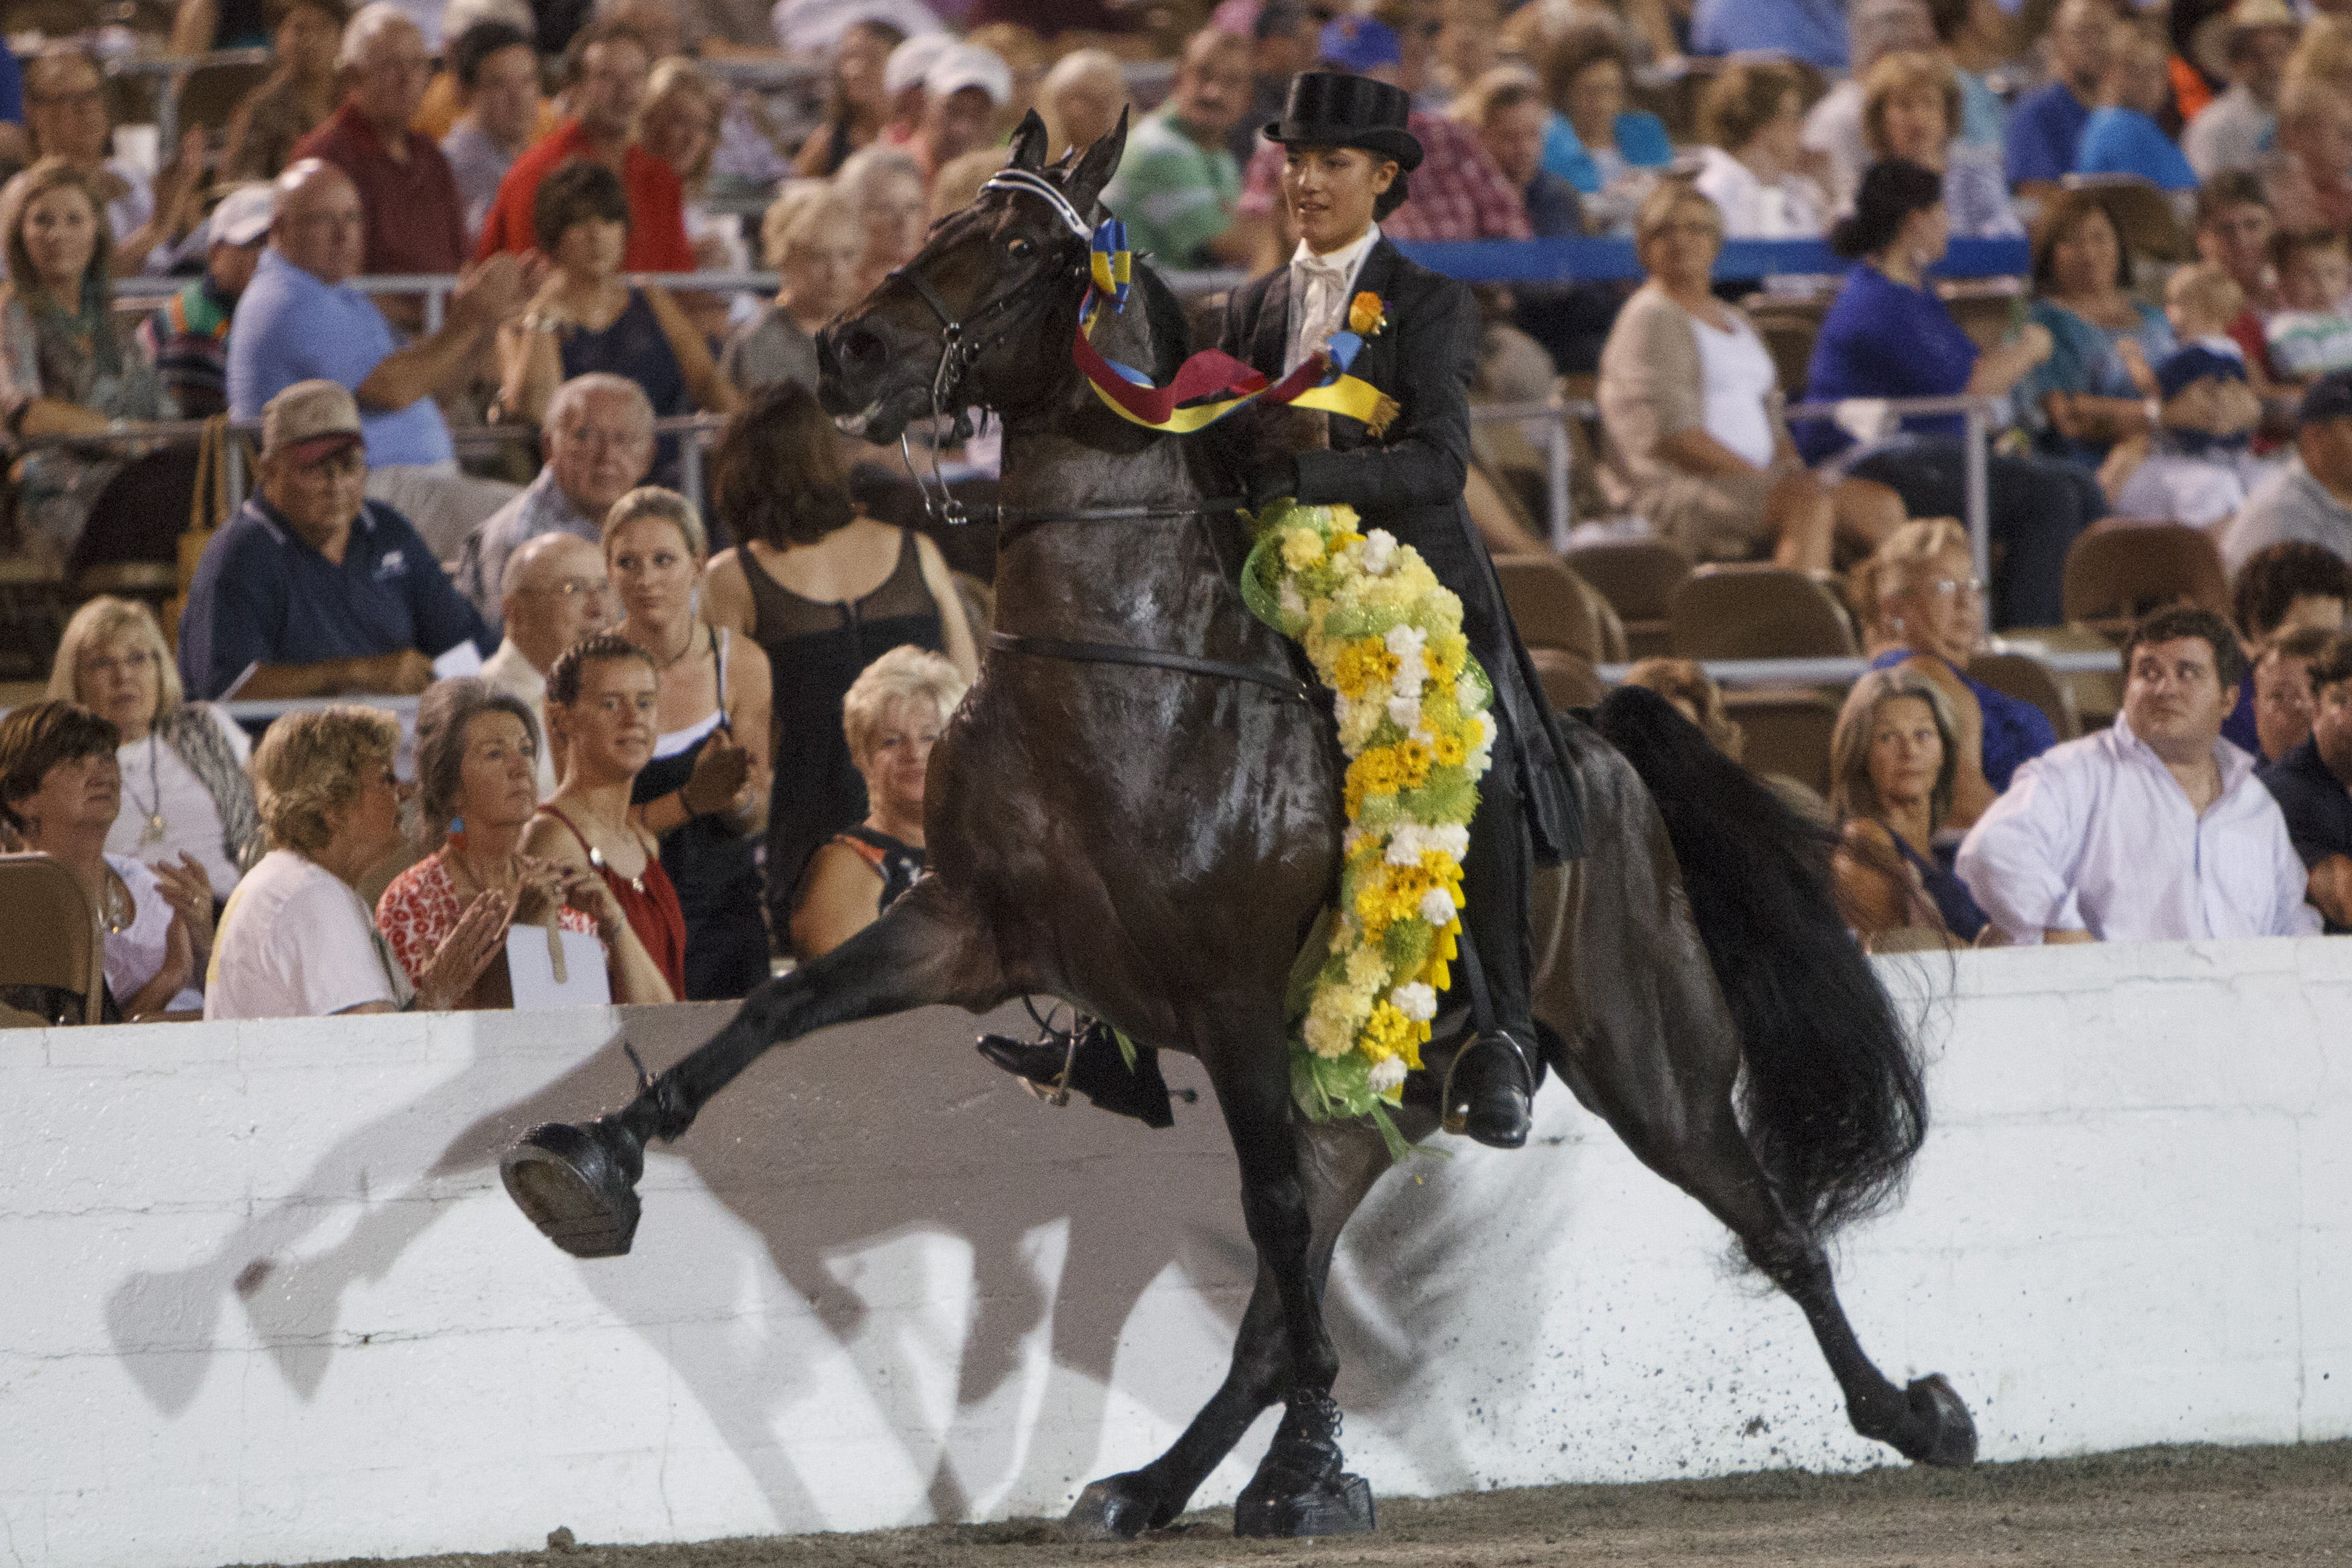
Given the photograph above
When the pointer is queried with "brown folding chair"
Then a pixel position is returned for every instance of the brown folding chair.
(1552, 606)
(1758, 612)
(2027, 679)
(1638, 578)
(1569, 679)
(49, 936)
(1788, 731)
(2115, 575)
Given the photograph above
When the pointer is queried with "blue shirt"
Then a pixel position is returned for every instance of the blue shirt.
(2044, 130)
(2015, 730)
(2317, 807)
(1885, 339)
(11, 87)
(263, 595)
(1809, 30)
(2125, 142)
(291, 327)
(1642, 140)
(2240, 728)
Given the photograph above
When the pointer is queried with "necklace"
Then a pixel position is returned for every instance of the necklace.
(692, 624)
(596, 857)
(156, 828)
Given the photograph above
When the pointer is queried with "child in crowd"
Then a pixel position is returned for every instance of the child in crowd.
(2312, 336)
(2198, 466)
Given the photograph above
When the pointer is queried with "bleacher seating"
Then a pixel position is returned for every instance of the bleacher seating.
(1758, 612)
(48, 937)
(2117, 575)
(1638, 577)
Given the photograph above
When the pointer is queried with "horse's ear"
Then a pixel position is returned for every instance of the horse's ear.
(1029, 142)
(1094, 169)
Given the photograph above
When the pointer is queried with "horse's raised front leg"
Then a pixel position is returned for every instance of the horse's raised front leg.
(578, 1184)
(1341, 1161)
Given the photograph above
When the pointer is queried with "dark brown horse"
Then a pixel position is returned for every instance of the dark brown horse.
(1153, 843)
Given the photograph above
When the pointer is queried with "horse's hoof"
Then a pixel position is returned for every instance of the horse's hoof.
(578, 1185)
(1117, 1508)
(1947, 1434)
(1342, 1506)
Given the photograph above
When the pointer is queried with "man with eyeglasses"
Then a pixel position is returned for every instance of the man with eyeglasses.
(555, 593)
(416, 219)
(313, 590)
(2156, 830)
(598, 440)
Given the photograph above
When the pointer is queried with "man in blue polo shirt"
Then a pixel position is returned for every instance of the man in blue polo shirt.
(313, 589)
(299, 319)
(2046, 126)
(1810, 30)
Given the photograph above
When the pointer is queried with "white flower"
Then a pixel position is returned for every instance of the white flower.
(1405, 845)
(1426, 737)
(1416, 1000)
(1380, 551)
(1437, 907)
(1451, 837)
(1386, 1074)
(1404, 713)
(1406, 642)
(1291, 601)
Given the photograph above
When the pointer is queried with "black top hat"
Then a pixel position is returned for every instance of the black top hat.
(1328, 109)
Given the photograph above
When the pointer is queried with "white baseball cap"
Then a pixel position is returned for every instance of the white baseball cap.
(912, 61)
(971, 65)
(243, 215)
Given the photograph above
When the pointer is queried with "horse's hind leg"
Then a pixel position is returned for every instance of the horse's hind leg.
(578, 1183)
(1686, 1130)
(1342, 1162)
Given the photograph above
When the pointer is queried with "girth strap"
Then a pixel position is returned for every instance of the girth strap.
(1155, 659)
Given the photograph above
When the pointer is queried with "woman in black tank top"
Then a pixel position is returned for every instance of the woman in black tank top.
(778, 485)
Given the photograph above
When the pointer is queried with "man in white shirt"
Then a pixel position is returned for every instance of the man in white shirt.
(555, 593)
(2155, 830)
(2237, 129)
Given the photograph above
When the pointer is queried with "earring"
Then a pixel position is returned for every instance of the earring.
(1896, 624)
(456, 826)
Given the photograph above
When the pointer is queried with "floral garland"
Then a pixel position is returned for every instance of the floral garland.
(1411, 705)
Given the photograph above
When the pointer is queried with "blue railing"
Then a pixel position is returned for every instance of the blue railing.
(1606, 260)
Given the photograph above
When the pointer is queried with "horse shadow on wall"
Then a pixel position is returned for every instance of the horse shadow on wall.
(851, 1159)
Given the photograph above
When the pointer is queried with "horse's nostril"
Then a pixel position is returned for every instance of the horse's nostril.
(863, 348)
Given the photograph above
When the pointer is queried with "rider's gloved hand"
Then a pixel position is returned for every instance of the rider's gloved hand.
(1272, 478)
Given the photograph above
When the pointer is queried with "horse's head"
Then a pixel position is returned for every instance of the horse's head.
(982, 316)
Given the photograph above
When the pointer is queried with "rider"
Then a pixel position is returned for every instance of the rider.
(1348, 153)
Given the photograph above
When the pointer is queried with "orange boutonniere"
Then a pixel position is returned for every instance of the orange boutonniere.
(1366, 314)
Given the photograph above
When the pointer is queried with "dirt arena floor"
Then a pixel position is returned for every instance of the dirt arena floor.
(2172, 1505)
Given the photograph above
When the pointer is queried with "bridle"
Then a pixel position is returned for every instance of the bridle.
(960, 348)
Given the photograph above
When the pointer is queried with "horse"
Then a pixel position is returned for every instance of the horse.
(1138, 810)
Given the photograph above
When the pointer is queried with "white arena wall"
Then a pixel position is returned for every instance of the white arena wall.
(267, 1302)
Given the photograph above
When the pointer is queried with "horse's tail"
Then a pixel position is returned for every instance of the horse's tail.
(1832, 1096)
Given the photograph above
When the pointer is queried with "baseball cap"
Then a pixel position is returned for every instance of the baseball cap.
(969, 65)
(2184, 367)
(2329, 397)
(1359, 43)
(243, 215)
(911, 61)
(309, 420)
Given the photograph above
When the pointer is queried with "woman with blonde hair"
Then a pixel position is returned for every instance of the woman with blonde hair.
(1911, 108)
(892, 715)
(704, 791)
(1752, 121)
(1891, 761)
(1080, 99)
(812, 236)
(297, 941)
(69, 364)
(1688, 397)
(185, 790)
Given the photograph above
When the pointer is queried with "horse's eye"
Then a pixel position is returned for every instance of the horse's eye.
(1020, 249)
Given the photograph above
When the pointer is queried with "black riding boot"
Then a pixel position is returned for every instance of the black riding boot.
(1490, 1089)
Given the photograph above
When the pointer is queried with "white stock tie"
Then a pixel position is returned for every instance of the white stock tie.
(1324, 309)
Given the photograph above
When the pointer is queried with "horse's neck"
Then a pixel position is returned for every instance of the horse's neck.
(1127, 579)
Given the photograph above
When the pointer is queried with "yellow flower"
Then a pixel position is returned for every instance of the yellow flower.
(1302, 548)
(1364, 665)
(1365, 315)
(1387, 1033)
(1449, 751)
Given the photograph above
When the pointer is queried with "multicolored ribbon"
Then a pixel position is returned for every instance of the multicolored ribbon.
(1321, 382)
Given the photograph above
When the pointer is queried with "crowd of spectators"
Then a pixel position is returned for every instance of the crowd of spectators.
(675, 729)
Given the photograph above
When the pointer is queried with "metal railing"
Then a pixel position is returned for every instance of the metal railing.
(436, 287)
(1844, 671)
(1976, 415)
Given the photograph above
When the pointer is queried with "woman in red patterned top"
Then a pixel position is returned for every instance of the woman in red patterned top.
(477, 760)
